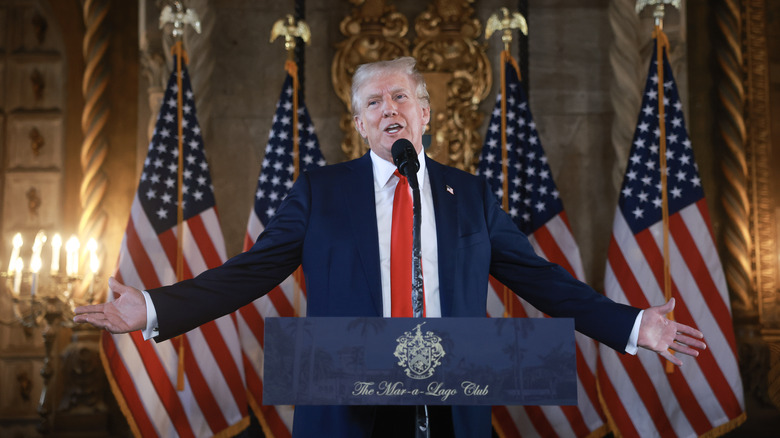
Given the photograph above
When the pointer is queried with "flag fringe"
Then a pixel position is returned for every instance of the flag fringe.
(611, 425)
(233, 430)
(497, 426)
(599, 432)
(118, 396)
(726, 427)
(259, 414)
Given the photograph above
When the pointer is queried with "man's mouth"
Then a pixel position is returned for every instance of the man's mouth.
(393, 128)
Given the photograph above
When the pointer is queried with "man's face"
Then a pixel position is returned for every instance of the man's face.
(389, 110)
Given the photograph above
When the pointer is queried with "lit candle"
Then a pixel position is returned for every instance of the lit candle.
(18, 275)
(56, 244)
(35, 260)
(72, 256)
(17, 242)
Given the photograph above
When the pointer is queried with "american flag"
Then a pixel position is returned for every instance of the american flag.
(705, 395)
(535, 205)
(275, 180)
(143, 374)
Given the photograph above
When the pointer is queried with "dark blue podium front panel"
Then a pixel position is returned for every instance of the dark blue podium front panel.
(416, 361)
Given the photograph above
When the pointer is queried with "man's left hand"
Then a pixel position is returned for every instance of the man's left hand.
(660, 334)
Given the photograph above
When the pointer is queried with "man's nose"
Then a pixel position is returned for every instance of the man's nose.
(390, 108)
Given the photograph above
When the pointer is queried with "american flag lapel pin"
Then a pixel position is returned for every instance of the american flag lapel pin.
(450, 191)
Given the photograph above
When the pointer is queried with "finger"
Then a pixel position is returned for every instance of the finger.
(692, 342)
(116, 286)
(671, 358)
(91, 308)
(667, 307)
(93, 318)
(684, 349)
(688, 330)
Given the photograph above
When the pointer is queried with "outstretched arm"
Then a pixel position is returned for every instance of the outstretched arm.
(659, 334)
(125, 314)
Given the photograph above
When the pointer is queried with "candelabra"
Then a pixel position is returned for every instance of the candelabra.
(46, 300)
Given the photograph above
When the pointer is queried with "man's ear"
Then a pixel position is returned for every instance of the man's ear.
(426, 115)
(359, 126)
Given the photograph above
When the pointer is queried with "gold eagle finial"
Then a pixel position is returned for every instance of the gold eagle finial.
(290, 29)
(180, 18)
(506, 23)
(658, 12)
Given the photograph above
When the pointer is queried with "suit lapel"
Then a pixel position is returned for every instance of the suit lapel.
(361, 212)
(445, 206)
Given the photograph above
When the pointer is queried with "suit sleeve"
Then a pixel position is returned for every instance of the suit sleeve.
(242, 279)
(549, 287)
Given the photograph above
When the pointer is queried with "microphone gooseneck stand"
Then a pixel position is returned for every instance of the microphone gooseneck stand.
(421, 428)
(405, 158)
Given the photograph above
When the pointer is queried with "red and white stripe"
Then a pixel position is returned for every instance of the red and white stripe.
(277, 420)
(554, 242)
(143, 374)
(705, 393)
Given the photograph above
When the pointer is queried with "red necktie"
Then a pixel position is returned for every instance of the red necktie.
(401, 251)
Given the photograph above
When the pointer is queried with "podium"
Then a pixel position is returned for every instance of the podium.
(419, 361)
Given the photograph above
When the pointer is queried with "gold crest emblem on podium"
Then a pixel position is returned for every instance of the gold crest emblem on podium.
(419, 354)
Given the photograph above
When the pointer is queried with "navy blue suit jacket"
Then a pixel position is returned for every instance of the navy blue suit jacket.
(328, 224)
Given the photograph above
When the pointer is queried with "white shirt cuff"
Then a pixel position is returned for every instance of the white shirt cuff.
(151, 329)
(631, 347)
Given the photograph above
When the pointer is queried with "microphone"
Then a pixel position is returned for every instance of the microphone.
(405, 157)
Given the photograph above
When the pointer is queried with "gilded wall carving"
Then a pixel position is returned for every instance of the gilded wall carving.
(374, 31)
(446, 48)
(454, 63)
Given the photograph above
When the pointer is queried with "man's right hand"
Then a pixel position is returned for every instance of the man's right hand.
(126, 313)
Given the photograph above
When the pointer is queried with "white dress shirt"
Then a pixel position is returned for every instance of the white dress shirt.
(384, 191)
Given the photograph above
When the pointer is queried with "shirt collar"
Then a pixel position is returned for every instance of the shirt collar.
(383, 169)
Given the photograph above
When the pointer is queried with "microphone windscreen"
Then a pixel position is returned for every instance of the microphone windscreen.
(405, 155)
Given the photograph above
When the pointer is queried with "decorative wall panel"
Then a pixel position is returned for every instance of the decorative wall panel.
(32, 32)
(35, 141)
(31, 202)
(35, 82)
(22, 386)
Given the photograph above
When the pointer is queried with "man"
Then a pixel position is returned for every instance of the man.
(337, 222)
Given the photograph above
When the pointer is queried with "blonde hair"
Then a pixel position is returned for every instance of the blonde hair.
(405, 65)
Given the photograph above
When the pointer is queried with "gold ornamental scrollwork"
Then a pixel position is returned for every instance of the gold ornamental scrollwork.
(375, 32)
(459, 77)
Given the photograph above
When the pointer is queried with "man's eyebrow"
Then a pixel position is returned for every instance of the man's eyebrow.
(393, 91)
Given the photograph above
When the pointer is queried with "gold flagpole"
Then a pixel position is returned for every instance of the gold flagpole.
(178, 51)
(662, 43)
(506, 22)
(292, 29)
(179, 18)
